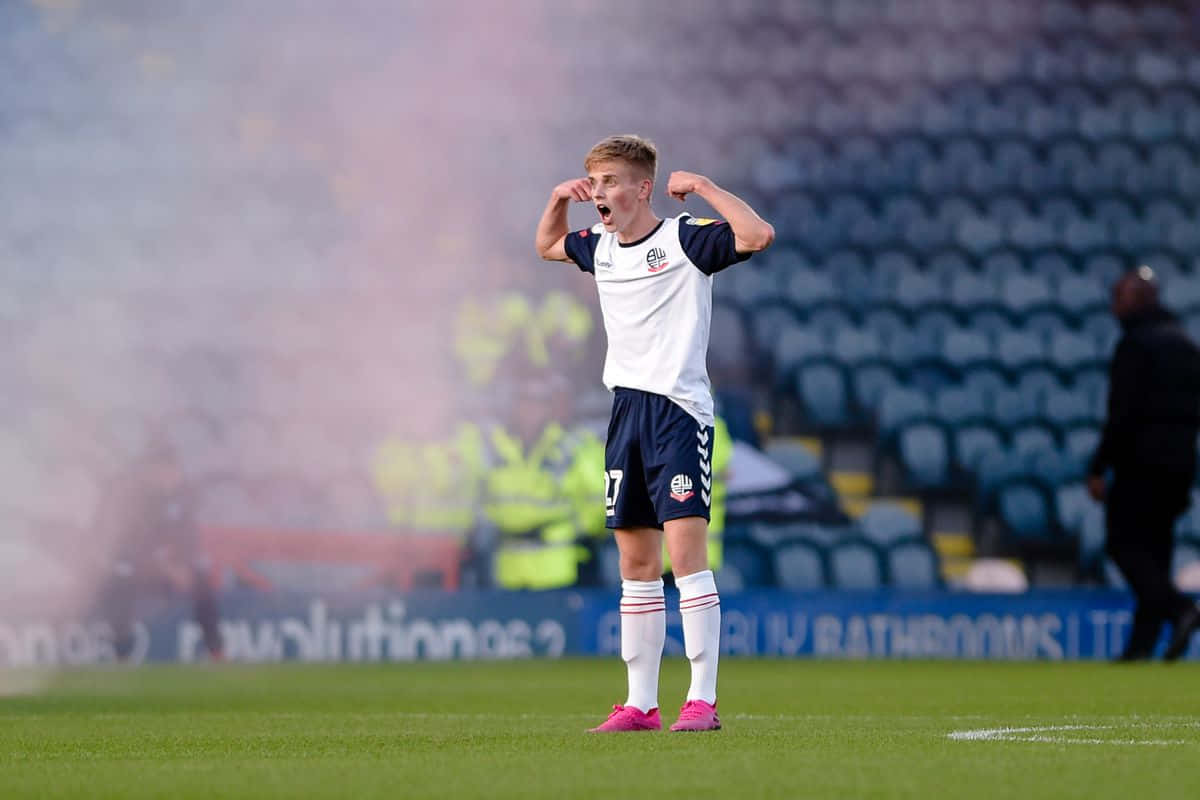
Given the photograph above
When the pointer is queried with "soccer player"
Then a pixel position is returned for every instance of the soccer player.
(654, 277)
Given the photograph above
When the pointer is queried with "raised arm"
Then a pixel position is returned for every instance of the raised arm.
(750, 231)
(552, 228)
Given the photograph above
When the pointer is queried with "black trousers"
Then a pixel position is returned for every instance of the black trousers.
(1140, 516)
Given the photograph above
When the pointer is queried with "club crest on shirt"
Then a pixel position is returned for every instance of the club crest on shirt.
(656, 259)
(681, 488)
(700, 221)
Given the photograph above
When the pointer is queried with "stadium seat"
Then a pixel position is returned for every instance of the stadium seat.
(900, 406)
(799, 460)
(793, 347)
(855, 564)
(885, 522)
(924, 454)
(745, 564)
(1026, 509)
(799, 565)
(820, 386)
(912, 564)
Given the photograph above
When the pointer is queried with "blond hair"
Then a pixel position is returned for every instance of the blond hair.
(639, 152)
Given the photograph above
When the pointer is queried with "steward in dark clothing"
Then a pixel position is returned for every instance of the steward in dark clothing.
(149, 518)
(1149, 444)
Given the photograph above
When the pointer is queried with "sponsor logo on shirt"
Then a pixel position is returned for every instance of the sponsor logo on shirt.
(681, 488)
(700, 221)
(604, 264)
(656, 259)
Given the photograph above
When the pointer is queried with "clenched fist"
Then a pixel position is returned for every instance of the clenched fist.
(681, 184)
(577, 189)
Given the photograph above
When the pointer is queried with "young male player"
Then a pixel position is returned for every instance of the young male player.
(654, 277)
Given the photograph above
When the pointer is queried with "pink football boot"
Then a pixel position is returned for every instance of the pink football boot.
(628, 718)
(697, 715)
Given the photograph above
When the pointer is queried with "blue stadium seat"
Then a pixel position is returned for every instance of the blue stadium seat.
(1066, 409)
(745, 563)
(1081, 442)
(730, 339)
(913, 564)
(1020, 350)
(1045, 123)
(1031, 438)
(1000, 264)
(1053, 265)
(820, 386)
(970, 428)
(1071, 503)
(808, 288)
(993, 469)
(899, 406)
(794, 346)
(1182, 295)
(751, 284)
(924, 454)
(799, 460)
(1149, 126)
(1086, 235)
(1079, 295)
(887, 323)
(867, 370)
(800, 565)
(963, 349)
(979, 235)
(855, 564)
(773, 323)
(948, 263)
(1020, 294)
(1026, 508)
(1012, 409)
(1096, 124)
(917, 292)
(900, 210)
(886, 522)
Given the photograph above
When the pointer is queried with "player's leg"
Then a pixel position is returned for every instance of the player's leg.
(681, 486)
(643, 613)
(643, 608)
(700, 608)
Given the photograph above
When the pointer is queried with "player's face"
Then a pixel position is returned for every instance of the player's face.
(617, 191)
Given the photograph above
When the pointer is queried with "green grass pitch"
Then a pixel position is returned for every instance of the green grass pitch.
(516, 729)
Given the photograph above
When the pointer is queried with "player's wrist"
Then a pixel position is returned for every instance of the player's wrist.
(704, 185)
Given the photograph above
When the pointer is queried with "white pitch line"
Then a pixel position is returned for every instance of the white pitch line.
(1037, 734)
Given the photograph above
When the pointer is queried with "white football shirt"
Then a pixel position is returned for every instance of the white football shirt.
(656, 299)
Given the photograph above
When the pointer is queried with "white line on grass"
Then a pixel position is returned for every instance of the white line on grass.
(1037, 733)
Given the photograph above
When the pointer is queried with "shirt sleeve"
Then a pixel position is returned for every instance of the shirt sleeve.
(1124, 380)
(709, 244)
(581, 248)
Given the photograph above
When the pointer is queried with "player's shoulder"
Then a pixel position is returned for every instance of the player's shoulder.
(585, 233)
(696, 228)
(698, 222)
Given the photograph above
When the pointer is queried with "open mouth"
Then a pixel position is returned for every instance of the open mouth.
(605, 213)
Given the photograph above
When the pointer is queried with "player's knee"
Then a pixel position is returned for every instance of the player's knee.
(641, 566)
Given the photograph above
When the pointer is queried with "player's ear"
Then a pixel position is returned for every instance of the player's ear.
(647, 189)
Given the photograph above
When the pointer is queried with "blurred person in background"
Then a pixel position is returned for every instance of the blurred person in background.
(149, 515)
(537, 463)
(654, 278)
(1149, 447)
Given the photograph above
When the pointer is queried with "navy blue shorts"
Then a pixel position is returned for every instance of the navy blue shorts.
(657, 462)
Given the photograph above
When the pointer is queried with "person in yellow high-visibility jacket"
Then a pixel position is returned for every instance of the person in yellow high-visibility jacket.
(524, 495)
(433, 487)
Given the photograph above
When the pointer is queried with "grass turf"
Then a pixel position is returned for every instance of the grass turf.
(792, 729)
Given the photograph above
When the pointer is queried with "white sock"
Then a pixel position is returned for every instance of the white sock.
(700, 607)
(643, 633)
